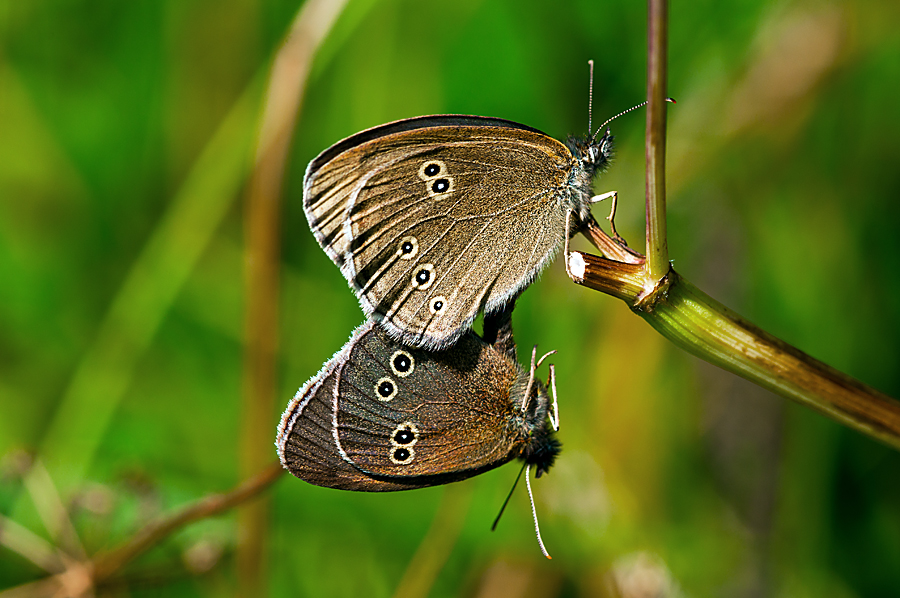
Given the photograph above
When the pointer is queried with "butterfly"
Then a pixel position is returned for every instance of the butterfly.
(382, 416)
(434, 219)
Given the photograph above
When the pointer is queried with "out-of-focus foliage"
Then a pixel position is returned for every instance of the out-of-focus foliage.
(783, 204)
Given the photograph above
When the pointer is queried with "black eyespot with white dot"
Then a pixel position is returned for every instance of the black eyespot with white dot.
(404, 436)
(423, 277)
(402, 363)
(408, 248)
(437, 178)
(385, 389)
(437, 304)
(431, 169)
(402, 455)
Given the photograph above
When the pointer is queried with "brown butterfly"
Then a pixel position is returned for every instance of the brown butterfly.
(433, 219)
(382, 416)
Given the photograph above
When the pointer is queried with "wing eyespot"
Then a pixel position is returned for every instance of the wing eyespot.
(437, 304)
(440, 186)
(402, 363)
(401, 455)
(406, 434)
(385, 389)
(431, 169)
(424, 277)
(408, 249)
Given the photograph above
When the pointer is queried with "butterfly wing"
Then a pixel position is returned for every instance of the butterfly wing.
(433, 219)
(306, 442)
(424, 418)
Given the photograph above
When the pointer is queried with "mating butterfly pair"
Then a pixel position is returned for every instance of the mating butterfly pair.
(432, 220)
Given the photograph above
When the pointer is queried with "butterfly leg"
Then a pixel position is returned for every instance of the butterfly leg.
(543, 357)
(554, 409)
(530, 378)
(566, 253)
(535, 364)
(614, 196)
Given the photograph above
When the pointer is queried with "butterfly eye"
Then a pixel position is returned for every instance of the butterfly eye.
(408, 249)
(437, 304)
(402, 363)
(423, 277)
(386, 389)
(402, 455)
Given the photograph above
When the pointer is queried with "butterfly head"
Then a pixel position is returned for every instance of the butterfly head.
(595, 153)
(537, 423)
(592, 153)
(541, 449)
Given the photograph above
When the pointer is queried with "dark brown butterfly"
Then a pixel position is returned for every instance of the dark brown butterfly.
(382, 416)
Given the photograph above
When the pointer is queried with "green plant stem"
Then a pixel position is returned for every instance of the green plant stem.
(657, 44)
(701, 325)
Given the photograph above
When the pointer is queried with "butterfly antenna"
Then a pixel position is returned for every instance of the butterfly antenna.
(590, 92)
(530, 379)
(641, 105)
(508, 496)
(537, 528)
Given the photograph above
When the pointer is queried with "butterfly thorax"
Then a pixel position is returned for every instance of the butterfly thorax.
(589, 156)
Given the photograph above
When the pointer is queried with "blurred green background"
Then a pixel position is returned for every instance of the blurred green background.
(121, 301)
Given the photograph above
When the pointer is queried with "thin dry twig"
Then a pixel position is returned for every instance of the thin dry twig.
(30, 546)
(108, 563)
(287, 83)
(80, 576)
(610, 247)
(51, 510)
